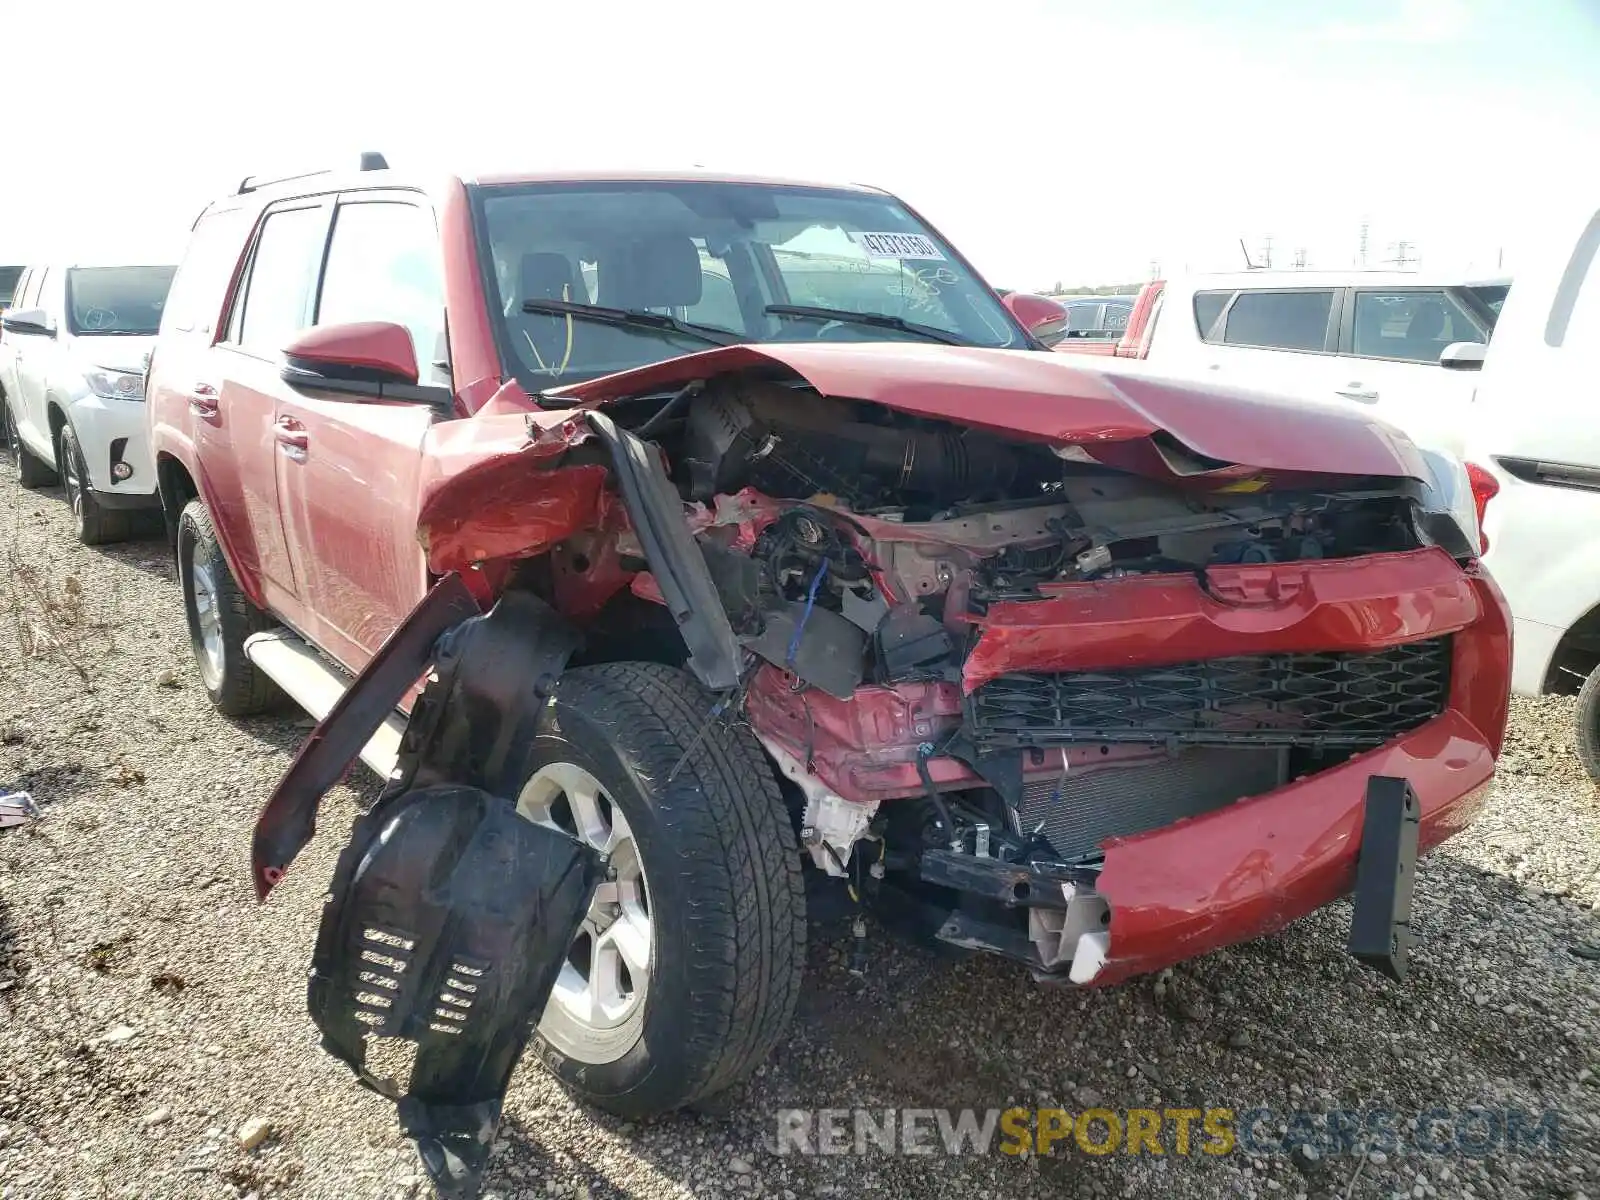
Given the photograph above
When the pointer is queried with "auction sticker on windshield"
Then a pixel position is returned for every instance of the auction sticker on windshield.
(898, 245)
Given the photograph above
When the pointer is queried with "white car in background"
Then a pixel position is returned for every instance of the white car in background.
(73, 347)
(1403, 346)
(1536, 425)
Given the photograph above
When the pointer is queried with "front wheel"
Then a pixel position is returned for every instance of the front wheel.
(95, 525)
(687, 969)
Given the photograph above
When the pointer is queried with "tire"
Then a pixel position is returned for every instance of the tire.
(1587, 740)
(95, 525)
(31, 472)
(237, 687)
(710, 859)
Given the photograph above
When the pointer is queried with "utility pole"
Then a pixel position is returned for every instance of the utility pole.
(1155, 270)
(1402, 254)
(1266, 253)
(1300, 259)
(1361, 248)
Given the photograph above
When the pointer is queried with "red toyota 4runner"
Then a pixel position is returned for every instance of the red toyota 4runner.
(736, 526)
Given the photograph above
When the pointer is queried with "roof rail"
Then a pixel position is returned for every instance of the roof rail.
(371, 160)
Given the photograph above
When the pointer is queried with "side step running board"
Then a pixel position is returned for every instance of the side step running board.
(316, 685)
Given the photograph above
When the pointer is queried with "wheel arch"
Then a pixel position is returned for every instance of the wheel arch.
(176, 487)
(1576, 655)
(55, 415)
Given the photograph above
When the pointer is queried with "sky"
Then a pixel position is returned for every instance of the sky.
(1052, 140)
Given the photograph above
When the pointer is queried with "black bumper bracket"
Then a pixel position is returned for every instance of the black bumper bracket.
(1380, 927)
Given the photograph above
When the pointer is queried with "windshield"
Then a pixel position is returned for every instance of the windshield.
(721, 257)
(116, 300)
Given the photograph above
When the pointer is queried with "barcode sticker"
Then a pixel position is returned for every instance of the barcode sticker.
(898, 245)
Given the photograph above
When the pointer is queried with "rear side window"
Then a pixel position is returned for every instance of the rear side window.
(1411, 326)
(10, 278)
(1570, 289)
(383, 265)
(277, 296)
(1279, 320)
(1208, 307)
(200, 288)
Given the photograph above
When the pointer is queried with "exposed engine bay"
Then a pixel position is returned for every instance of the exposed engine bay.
(868, 561)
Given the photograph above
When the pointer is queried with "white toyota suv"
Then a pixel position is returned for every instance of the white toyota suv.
(1533, 424)
(72, 359)
(1403, 346)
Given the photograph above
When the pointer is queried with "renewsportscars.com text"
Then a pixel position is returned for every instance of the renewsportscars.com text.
(1179, 1132)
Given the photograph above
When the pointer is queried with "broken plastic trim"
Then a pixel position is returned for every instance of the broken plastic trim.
(288, 821)
(450, 914)
(680, 571)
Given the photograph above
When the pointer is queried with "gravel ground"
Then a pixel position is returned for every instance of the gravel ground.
(150, 1011)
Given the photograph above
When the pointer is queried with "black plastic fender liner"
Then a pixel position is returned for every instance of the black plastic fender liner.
(447, 923)
(680, 571)
(289, 818)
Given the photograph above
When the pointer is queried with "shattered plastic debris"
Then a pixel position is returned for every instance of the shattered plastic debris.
(16, 808)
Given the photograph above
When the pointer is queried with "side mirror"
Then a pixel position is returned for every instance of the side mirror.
(1042, 317)
(1463, 356)
(28, 320)
(370, 360)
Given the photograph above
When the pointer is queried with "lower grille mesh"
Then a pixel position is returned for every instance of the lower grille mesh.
(1333, 699)
(1107, 802)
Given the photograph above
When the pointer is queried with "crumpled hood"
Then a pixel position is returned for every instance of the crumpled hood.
(1052, 398)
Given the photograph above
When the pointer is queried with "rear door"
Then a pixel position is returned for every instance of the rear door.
(1389, 346)
(347, 469)
(38, 355)
(234, 396)
(9, 343)
(1279, 340)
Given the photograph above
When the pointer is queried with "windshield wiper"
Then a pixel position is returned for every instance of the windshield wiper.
(635, 318)
(881, 320)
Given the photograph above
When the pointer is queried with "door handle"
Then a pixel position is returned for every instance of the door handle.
(291, 435)
(204, 401)
(1354, 391)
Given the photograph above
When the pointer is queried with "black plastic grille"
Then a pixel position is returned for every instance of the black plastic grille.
(1327, 699)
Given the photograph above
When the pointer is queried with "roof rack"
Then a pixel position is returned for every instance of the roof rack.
(371, 160)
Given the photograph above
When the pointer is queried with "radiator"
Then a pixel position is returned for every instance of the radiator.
(1084, 808)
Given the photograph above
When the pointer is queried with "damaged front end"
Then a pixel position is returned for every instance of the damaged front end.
(1088, 673)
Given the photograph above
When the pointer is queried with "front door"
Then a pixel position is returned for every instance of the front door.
(347, 470)
(233, 398)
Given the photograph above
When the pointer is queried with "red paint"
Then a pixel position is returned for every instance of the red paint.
(380, 346)
(1039, 315)
(1364, 603)
(1251, 868)
(336, 529)
(1051, 398)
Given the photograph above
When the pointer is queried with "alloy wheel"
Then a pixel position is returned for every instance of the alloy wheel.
(604, 982)
(203, 592)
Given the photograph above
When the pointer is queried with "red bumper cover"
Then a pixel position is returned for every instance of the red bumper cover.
(1257, 865)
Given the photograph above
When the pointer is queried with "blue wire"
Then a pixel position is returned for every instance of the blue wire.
(811, 600)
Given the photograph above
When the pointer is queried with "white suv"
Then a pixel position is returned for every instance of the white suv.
(1382, 341)
(72, 360)
(1533, 424)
